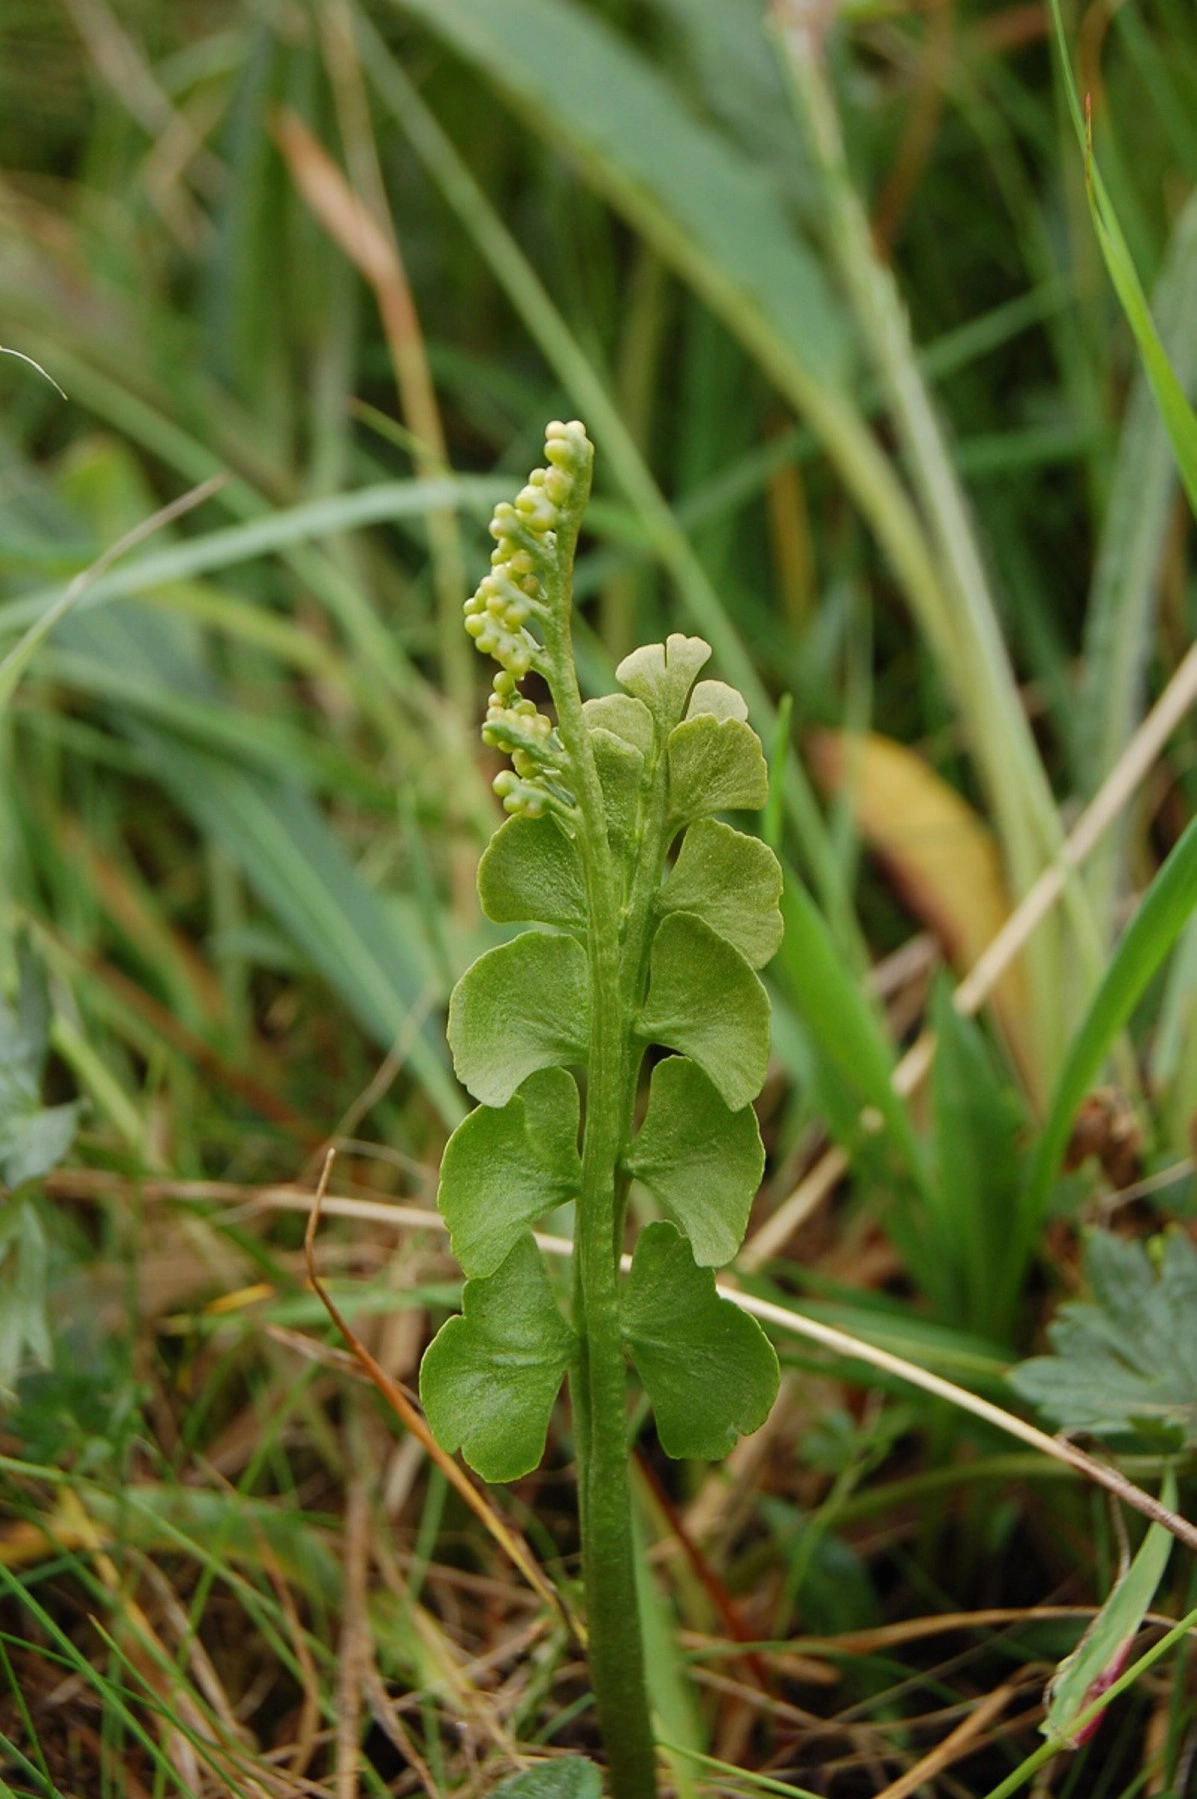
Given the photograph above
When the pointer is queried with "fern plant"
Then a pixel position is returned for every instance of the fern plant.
(645, 950)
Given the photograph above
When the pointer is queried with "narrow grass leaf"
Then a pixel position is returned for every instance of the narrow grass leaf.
(299, 870)
(1178, 415)
(942, 858)
(708, 209)
(1105, 1647)
(1162, 915)
(843, 1027)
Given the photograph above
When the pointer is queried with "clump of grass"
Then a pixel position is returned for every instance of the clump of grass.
(239, 820)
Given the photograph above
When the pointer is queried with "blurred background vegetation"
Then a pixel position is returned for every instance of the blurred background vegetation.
(826, 290)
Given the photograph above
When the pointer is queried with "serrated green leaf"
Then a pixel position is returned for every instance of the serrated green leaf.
(717, 699)
(569, 1777)
(700, 1160)
(531, 870)
(662, 674)
(733, 883)
(489, 1377)
(704, 1000)
(1126, 1363)
(523, 1006)
(504, 1168)
(715, 765)
(707, 1367)
(624, 717)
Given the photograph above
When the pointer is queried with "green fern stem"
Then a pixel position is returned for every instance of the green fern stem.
(597, 794)
(598, 1383)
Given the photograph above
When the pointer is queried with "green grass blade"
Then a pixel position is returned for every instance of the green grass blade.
(690, 190)
(299, 870)
(1178, 415)
(383, 502)
(1123, 601)
(622, 457)
(1162, 914)
(812, 975)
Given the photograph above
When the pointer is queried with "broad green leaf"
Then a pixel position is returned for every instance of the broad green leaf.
(523, 1006)
(623, 716)
(1102, 1652)
(620, 768)
(1127, 1362)
(704, 1000)
(708, 1369)
(489, 1378)
(34, 1142)
(1163, 912)
(719, 700)
(703, 1162)
(531, 870)
(662, 674)
(504, 1168)
(715, 765)
(570, 1777)
(733, 883)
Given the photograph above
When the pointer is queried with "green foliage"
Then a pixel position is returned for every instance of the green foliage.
(708, 1368)
(1102, 1652)
(573, 1777)
(531, 870)
(642, 956)
(1125, 1364)
(701, 1160)
(973, 1199)
(521, 1015)
(489, 1380)
(504, 1167)
(705, 1000)
(518, 1008)
(607, 208)
(1162, 914)
(1178, 415)
(34, 1138)
(733, 883)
